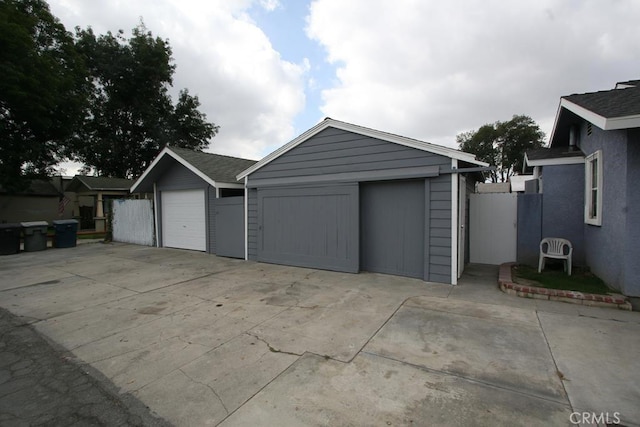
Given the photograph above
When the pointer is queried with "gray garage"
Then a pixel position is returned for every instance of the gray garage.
(348, 198)
(198, 202)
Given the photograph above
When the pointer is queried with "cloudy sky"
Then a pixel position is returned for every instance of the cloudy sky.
(267, 70)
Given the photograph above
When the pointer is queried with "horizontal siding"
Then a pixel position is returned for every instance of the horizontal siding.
(252, 224)
(335, 151)
(439, 221)
(177, 177)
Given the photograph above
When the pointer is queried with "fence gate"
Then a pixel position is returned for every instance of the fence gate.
(133, 222)
(493, 236)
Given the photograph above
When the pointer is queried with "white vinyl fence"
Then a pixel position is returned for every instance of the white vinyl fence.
(493, 228)
(133, 222)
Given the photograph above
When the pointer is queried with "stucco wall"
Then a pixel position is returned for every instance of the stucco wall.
(529, 228)
(632, 243)
(563, 206)
(605, 244)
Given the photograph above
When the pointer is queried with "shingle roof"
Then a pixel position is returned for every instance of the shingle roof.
(610, 103)
(215, 166)
(99, 183)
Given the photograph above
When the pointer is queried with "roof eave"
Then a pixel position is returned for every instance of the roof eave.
(576, 160)
(166, 151)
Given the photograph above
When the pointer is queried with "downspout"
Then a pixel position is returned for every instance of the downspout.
(454, 222)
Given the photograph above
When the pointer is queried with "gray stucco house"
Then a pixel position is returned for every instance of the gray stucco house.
(198, 201)
(587, 188)
(348, 198)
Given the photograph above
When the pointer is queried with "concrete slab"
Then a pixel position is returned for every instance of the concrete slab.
(13, 278)
(195, 337)
(89, 325)
(239, 369)
(376, 391)
(216, 384)
(209, 325)
(133, 275)
(503, 347)
(338, 334)
(61, 296)
(599, 361)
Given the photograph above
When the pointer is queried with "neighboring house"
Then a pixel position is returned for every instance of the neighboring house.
(92, 194)
(587, 189)
(198, 201)
(38, 203)
(349, 198)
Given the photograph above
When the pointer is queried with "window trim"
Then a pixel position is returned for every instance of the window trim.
(591, 187)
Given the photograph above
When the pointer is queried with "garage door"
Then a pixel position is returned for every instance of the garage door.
(309, 227)
(392, 227)
(183, 220)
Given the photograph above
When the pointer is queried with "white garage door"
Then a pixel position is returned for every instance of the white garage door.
(183, 220)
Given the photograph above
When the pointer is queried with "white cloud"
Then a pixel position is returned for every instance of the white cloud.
(270, 5)
(221, 56)
(430, 69)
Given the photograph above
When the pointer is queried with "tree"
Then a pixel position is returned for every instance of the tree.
(43, 91)
(131, 112)
(503, 144)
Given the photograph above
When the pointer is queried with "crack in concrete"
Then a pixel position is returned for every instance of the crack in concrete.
(271, 348)
(209, 387)
(555, 364)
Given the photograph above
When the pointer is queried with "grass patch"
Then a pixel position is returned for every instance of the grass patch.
(553, 277)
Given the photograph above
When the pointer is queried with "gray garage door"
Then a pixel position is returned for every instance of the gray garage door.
(392, 218)
(309, 227)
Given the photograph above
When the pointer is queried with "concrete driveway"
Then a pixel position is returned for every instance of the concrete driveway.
(204, 340)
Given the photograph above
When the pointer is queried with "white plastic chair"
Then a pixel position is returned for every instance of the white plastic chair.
(554, 247)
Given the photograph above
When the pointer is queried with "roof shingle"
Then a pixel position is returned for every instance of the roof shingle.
(610, 103)
(215, 166)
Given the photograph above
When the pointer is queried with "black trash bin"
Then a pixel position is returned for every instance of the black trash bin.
(66, 233)
(10, 238)
(35, 235)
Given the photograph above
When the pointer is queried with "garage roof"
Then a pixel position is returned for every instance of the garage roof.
(384, 136)
(212, 168)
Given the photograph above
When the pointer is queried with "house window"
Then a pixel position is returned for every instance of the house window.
(593, 182)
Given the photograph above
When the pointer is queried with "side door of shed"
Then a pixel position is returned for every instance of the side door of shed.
(230, 227)
(313, 227)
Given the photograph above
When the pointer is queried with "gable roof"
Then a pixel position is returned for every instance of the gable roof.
(610, 109)
(212, 168)
(98, 183)
(361, 130)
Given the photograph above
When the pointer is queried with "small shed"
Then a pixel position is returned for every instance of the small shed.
(92, 194)
(198, 200)
(349, 198)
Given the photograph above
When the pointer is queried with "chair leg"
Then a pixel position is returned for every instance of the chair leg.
(569, 266)
(540, 264)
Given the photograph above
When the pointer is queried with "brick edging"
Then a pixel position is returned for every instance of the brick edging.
(525, 291)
